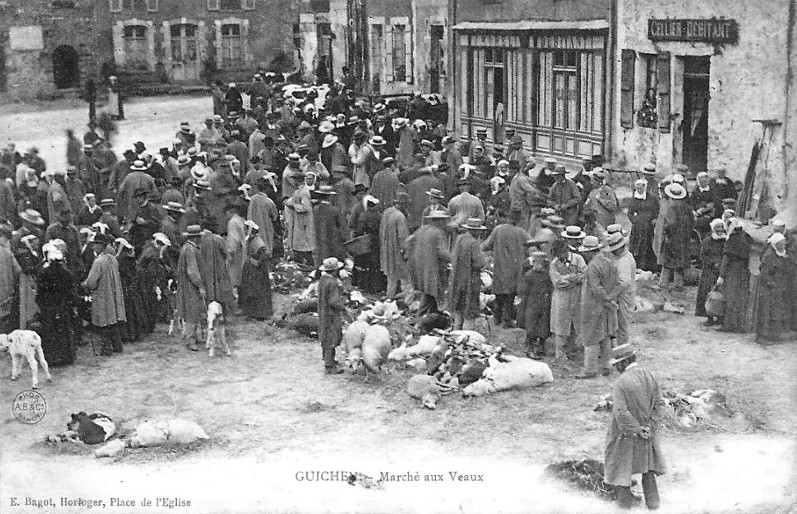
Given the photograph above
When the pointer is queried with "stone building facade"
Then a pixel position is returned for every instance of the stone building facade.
(540, 67)
(393, 47)
(694, 77)
(48, 48)
(193, 41)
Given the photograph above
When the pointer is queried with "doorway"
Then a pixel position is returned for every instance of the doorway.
(325, 39)
(436, 51)
(695, 124)
(185, 56)
(66, 67)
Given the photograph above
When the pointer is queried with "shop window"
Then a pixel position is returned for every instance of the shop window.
(570, 89)
(231, 46)
(646, 114)
(399, 53)
(136, 50)
(230, 5)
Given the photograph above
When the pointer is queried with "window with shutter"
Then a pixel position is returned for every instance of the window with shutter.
(628, 61)
(213, 5)
(388, 53)
(249, 5)
(663, 90)
(399, 53)
(115, 5)
(127, 4)
(230, 5)
(408, 55)
(152, 5)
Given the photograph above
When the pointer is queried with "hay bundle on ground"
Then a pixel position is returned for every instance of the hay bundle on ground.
(586, 475)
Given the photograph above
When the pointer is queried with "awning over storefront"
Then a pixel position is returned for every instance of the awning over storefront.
(532, 25)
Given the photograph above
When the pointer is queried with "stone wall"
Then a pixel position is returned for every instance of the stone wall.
(29, 70)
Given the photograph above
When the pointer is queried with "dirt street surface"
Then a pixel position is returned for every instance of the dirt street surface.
(275, 421)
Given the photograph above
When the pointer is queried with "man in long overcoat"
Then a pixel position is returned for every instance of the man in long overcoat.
(330, 313)
(599, 308)
(300, 224)
(393, 234)
(602, 199)
(213, 268)
(263, 212)
(564, 196)
(467, 262)
(385, 184)
(507, 242)
(190, 287)
(465, 205)
(330, 226)
(428, 256)
(632, 443)
(678, 225)
(416, 189)
(107, 302)
(567, 275)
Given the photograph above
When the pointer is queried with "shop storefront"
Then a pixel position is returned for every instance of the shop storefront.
(546, 80)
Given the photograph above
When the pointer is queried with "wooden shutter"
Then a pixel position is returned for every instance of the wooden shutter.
(388, 39)
(663, 77)
(213, 5)
(628, 60)
(408, 53)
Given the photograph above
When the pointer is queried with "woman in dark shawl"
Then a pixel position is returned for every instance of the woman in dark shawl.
(773, 295)
(643, 212)
(367, 274)
(735, 278)
(55, 295)
(710, 262)
(136, 326)
(155, 272)
(254, 295)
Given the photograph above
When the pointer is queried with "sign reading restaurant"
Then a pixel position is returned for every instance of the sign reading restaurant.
(707, 31)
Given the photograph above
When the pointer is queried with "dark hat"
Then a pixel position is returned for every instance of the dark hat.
(442, 167)
(105, 239)
(481, 130)
(516, 139)
(509, 132)
(463, 181)
(402, 197)
(649, 169)
(359, 188)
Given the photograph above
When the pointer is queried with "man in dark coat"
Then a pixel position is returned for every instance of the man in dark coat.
(233, 98)
(393, 234)
(385, 184)
(564, 196)
(467, 262)
(330, 313)
(678, 224)
(632, 444)
(428, 257)
(213, 267)
(107, 301)
(507, 242)
(330, 226)
(191, 291)
(416, 189)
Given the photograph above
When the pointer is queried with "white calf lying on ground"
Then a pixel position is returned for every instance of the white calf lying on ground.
(25, 344)
(427, 389)
(217, 334)
(517, 373)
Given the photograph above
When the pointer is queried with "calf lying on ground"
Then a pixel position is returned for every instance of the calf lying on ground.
(25, 344)
(84, 428)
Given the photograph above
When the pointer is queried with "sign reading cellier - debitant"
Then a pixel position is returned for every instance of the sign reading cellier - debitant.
(707, 30)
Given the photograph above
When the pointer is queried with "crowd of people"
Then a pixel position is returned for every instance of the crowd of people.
(116, 245)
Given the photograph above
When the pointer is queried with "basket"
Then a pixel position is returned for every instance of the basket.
(360, 245)
(715, 303)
